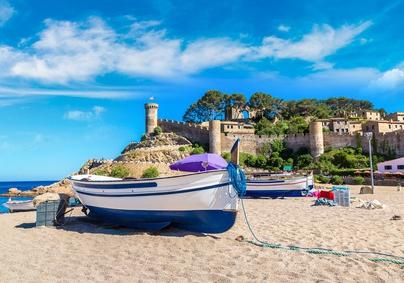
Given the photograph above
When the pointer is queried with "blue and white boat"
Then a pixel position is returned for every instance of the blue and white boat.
(202, 202)
(279, 187)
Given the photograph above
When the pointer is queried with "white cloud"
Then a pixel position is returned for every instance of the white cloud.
(283, 28)
(321, 42)
(6, 12)
(357, 78)
(390, 80)
(79, 115)
(67, 52)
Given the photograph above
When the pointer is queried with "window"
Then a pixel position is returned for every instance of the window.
(388, 167)
(389, 126)
(400, 167)
(373, 127)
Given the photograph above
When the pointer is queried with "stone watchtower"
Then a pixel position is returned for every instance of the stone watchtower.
(215, 145)
(151, 116)
(316, 139)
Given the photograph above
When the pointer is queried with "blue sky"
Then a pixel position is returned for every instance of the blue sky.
(74, 75)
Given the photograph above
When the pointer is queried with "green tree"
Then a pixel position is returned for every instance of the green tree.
(265, 127)
(157, 130)
(197, 150)
(119, 171)
(267, 105)
(297, 125)
(236, 100)
(261, 161)
(209, 107)
(151, 172)
(304, 161)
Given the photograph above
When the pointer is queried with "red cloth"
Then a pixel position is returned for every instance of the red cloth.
(326, 194)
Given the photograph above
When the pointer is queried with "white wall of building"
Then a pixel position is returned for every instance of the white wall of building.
(395, 165)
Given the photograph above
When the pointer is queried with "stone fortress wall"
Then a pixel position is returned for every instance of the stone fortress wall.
(251, 143)
(195, 133)
(316, 140)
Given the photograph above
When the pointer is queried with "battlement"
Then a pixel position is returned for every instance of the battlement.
(151, 105)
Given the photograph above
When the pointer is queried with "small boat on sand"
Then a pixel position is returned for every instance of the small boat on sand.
(279, 187)
(201, 202)
(19, 205)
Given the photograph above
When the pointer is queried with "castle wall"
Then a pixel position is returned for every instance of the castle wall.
(251, 143)
(333, 140)
(297, 141)
(386, 143)
(248, 142)
(195, 133)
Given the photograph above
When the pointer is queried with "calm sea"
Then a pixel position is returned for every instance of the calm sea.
(22, 185)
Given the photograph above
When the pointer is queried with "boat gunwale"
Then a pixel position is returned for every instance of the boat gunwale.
(157, 193)
(141, 180)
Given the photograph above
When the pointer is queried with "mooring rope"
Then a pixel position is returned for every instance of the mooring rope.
(317, 250)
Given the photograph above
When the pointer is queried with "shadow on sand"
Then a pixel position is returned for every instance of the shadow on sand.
(84, 224)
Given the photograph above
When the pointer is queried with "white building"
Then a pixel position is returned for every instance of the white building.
(392, 166)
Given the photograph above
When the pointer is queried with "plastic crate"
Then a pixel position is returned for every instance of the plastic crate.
(342, 197)
(50, 213)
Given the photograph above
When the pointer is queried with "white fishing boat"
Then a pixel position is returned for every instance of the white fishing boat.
(202, 202)
(19, 205)
(281, 186)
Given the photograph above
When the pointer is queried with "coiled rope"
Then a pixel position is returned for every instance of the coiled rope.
(238, 180)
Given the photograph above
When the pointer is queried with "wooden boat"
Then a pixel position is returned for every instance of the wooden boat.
(280, 186)
(202, 202)
(19, 205)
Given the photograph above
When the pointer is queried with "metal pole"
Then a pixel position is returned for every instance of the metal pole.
(371, 163)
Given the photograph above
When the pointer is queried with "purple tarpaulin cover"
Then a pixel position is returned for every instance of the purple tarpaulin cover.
(200, 162)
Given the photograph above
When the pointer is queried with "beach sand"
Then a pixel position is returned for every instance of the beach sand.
(82, 251)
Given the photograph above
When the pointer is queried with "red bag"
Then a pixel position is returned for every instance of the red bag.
(326, 194)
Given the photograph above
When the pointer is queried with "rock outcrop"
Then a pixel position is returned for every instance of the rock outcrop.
(153, 150)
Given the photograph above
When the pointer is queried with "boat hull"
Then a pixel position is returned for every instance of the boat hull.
(203, 202)
(206, 221)
(19, 206)
(296, 187)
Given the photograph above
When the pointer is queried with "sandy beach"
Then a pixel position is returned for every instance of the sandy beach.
(82, 251)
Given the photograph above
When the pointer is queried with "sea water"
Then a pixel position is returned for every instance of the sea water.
(21, 185)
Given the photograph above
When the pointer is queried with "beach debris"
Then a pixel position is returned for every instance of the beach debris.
(366, 190)
(396, 217)
(14, 191)
(240, 238)
(371, 204)
(45, 197)
(324, 201)
(313, 193)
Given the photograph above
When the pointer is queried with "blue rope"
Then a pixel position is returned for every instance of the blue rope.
(237, 179)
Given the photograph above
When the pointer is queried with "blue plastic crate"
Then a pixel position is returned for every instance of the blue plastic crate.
(47, 213)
